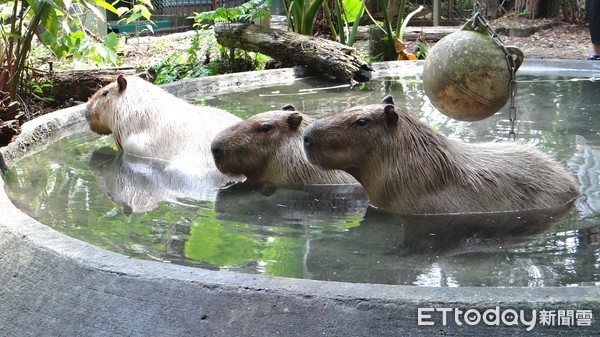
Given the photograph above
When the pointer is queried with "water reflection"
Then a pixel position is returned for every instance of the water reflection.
(400, 249)
(139, 184)
(585, 165)
(283, 206)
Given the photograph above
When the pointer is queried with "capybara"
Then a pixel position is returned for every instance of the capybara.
(267, 148)
(146, 121)
(407, 167)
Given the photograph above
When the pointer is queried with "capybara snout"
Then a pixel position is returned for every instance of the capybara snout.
(218, 151)
(307, 138)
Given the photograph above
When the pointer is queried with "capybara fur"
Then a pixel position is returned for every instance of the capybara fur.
(405, 166)
(267, 148)
(147, 121)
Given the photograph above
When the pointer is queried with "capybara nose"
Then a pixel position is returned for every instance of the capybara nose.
(307, 141)
(217, 151)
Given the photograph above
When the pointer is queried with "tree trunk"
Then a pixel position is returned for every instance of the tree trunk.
(325, 56)
(489, 8)
(535, 9)
(571, 12)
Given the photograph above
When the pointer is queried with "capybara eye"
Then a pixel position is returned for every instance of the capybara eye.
(265, 128)
(361, 121)
(104, 93)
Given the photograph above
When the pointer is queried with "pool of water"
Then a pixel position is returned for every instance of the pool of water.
(82, 187)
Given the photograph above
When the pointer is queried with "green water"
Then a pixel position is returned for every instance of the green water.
(82, 187)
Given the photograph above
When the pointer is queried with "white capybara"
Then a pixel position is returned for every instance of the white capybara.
(267, 148)
(149, 122)
(407, 167)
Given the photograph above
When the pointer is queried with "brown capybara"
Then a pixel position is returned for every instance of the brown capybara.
(267, 148)
(149, 122)
(407, 167)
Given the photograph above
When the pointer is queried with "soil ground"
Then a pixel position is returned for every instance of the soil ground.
(559, 41)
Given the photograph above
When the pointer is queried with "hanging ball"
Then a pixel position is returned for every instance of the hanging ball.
(466, 75)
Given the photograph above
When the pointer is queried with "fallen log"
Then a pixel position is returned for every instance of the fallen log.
(9, 114)
(8, 129)
(325, 56)
(8, 109)
(79, 85)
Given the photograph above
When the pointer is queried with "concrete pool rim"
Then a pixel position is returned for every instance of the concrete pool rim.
(60, 286)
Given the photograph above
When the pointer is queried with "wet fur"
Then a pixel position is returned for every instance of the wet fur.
(274, 155)
(146, 121)
(407, 167)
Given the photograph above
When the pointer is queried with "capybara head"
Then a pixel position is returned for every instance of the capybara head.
(248, 147)
(267, 148)
(348, 139)
(108, 101)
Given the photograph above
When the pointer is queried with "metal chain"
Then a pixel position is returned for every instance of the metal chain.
(479, 23)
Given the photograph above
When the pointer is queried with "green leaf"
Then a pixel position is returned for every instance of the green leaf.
(59, 49)
(143, 10)
(406, 20)
(105, 5)
(133, 17)
(220, 14)
(76, 37)
(47, 38)
(12, 35)
(111, 40)
(49, 20)
(309, 17)
(352, 34)
(103, 52)
(110, 55)
(97, 12)
(352, 9)
(32, 4)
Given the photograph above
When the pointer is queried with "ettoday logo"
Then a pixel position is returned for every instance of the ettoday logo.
(497, 316)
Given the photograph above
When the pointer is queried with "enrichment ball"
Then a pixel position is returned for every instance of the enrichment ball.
(466, 75)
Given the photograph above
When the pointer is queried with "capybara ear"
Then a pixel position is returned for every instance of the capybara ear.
(143, 76)
(391, 116)
(388, 100)
(288, 107)
(294, 120)
(122, 83)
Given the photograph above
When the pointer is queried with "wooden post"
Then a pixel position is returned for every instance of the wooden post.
(436, 12)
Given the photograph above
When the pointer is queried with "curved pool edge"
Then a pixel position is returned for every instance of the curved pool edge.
(56, 285)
